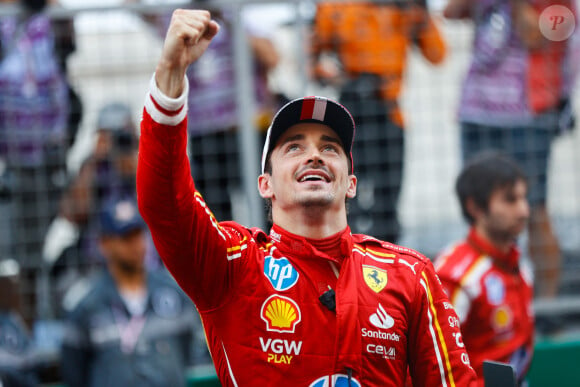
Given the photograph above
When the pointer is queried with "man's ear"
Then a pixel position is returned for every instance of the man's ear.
(473, 209)
(265, 186)
(351, 190)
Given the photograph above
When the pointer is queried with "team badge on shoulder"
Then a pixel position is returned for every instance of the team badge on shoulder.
(375, 278)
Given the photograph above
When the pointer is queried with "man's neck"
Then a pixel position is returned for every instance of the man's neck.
(502, 244)
(311, 222)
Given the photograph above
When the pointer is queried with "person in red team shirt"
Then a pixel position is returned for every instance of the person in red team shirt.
(490, 289)
(308, 304)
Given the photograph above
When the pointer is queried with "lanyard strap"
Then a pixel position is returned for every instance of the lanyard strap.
(129, 331)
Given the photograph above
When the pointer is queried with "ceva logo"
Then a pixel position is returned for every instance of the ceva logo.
(280, 273)
(281, 314)
(336, 380)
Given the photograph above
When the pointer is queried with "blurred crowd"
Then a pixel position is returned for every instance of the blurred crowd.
(85, 299)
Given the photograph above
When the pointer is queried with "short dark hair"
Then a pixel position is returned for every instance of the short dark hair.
(482, 175)
(268, 202)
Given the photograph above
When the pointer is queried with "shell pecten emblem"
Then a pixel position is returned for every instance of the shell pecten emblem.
(281, 314)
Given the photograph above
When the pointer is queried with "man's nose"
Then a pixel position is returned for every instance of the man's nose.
(314, 156)
(524, 208)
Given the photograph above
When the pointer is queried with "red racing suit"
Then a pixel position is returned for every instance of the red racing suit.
(492, 294)
(258, 294)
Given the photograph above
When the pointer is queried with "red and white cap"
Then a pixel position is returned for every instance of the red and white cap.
(311, 109)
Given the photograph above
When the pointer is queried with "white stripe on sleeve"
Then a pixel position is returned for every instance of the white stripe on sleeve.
(167, 103)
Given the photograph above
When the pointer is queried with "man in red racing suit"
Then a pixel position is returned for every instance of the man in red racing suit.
(490, 289)
(298, 308)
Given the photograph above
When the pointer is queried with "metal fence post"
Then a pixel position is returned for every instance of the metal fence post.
(247, 135)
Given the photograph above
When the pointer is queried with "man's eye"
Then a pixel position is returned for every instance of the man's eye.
(292, 147)
(510, 198)
(330, 148)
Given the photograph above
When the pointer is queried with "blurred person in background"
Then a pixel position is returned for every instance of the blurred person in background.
(17, 355)
(71, 243)
(65, 45)
(130, 327)
(488, 284)
(34, 127)
(111, 167)
(17, 368)
(213, 141)
(516, 97)
(108, 171)
(370, 41)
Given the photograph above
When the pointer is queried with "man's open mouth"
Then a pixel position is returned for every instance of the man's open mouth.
(314, 176)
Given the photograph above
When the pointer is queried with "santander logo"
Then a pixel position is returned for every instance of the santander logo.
(381, 319)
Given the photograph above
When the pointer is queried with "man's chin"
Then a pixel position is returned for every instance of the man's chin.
(518, 229)
(131, 267)
(316, 201)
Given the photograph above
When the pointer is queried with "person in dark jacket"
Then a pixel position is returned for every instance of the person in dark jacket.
(131, 327)
(17, 361)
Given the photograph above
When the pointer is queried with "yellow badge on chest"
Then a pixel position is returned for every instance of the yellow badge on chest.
(375, 278)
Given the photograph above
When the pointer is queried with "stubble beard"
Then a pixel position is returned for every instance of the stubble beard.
(505, 234)
(130, 268)
(314, 204)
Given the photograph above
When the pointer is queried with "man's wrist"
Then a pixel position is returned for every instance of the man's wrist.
(169, 101)
(169, 79)
(163, 108)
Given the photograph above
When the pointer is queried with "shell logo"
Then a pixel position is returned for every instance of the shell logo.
(502, 318)
(281, 314)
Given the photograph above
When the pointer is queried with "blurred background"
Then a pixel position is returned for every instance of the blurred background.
(106, 52)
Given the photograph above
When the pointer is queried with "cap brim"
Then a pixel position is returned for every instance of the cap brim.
(311, 109)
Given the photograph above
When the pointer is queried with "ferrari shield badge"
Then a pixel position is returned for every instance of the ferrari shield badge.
(375, 278)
